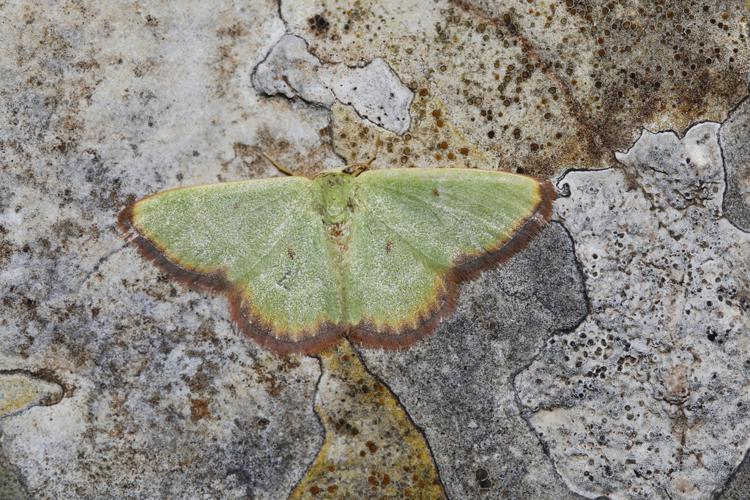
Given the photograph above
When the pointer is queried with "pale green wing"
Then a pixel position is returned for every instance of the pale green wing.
(260, 241)
(416, 233)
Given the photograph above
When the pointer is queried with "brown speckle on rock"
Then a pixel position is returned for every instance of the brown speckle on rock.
(318, 24)
(199, 409)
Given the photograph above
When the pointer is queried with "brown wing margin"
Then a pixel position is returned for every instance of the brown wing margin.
(465, 270)
(217, 282)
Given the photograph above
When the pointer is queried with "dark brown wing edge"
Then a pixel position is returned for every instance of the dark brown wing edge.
(466, 270)
(217, 282)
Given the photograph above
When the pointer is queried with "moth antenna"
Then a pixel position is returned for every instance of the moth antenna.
(374, 154)
(278, 166)
(358, 168)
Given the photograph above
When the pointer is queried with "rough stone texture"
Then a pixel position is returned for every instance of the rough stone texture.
(465, 402)
(739, 483)
(372, 448)
(290, 70)
(648, 397)
(12, 485)
(539, 85)
(374, 91)
(101, 103)
(734, 136)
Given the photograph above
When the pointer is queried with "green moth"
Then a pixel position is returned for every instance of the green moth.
(373, 255)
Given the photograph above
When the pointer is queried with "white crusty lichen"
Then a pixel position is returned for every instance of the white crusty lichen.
(373, 90)
(648, 396)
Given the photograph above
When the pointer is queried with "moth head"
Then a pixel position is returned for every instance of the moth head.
(356, 168)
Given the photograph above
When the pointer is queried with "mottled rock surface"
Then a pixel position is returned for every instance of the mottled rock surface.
(374, 91)
(290, 70)
(100, 104)
(648, 396)
(734, 136)
(539, 85)
(738, 484)
(372, 447)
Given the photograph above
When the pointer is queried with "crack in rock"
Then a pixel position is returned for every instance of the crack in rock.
(291, 70)
(374, 91)
(647, 397)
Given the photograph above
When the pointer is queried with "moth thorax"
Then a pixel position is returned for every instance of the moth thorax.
(338, 197)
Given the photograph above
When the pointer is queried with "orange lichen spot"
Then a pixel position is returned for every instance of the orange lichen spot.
(423, 92)
(443, 145)
(438, 157)
(437, 113)
(451, 156)
(332, 488)
(440, 123)
(386, 480)
(314, 489)
(464, 151)
(371, 446)
(372, 480)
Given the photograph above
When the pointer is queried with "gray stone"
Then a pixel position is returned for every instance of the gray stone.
(456, 384)
(647, 397)
(734, 136)
(374, 90)
(290, 70)
(738, 486)
(12, 486)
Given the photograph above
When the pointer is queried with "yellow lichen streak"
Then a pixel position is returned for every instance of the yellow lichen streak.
(371, 449)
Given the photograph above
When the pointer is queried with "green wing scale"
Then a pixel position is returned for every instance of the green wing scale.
(377, 257)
